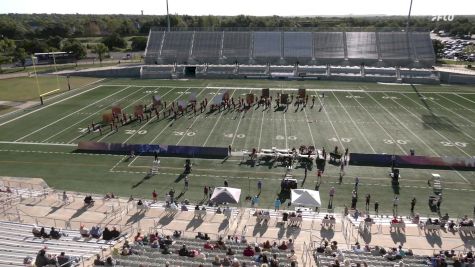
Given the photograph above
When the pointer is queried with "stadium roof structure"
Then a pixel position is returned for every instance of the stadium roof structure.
(371, 48)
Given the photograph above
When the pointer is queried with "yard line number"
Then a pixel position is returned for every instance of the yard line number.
(177, 133)
(131, 132)
(281, 137)
(230, 135)
(399, 141)
(457, 144)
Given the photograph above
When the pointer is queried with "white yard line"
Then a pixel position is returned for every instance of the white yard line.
(111, 132)
(379, 124)
(309, 128)
(260, 133)
(441, 135)
(239, 122)
(70, 114)
(456, 103)
(216, 123)
(47, 106)
(329, 120)
(404, 125)
(93, 114)
(354, 123)
(151, 119)
(457, 94)
(469, 136)
(35, 143)
(168, 125)
(196, 118)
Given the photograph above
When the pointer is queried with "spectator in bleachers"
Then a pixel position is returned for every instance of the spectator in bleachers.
(88, 201)
(166, 250)
(43, 260)
(84, 231)
(216, 261)
(220, 244)
(177, 234)
(274, 262)
(226, 261)
(199, 255)
(106, 234)
(266, 246)
(115, 233)
(96, 232)
(290, 244)
(183, 251)
(257, 249)
(35, 231)
(230, 252)
(184, 207)
(98, 260)
(208, 245)
(54, 233)
(63, 260)
(248, 251)
(110, 261)
(43, 233)
(138, 238)
(283, 246)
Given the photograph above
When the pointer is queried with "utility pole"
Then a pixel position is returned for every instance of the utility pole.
(168, 17)
(408, 17)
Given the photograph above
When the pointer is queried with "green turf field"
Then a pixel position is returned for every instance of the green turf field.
(365, 117)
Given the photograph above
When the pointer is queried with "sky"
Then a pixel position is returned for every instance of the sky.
(246, 7)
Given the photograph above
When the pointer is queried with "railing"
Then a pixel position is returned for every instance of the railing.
(293, 29)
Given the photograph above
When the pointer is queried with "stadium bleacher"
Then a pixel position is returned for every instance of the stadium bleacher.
(237, 47)
(298, 47)
(267, 47)
(362, 47)
(207, 46)
(329, 47)
(176, 46)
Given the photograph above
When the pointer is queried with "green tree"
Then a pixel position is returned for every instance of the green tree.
(114, 40)
(76, 48)
(7, 47)
(139, 43)
(470, 49)
(438, 47)
(101, 50)
(54, 42)
(20, 55)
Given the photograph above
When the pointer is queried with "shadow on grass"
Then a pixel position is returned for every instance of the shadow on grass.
(146, 177)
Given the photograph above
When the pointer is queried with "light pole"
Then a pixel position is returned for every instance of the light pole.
(168, 18)
(408, 17)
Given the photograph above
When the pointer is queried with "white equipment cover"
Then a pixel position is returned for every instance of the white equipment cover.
(226, 195)
(306, 197)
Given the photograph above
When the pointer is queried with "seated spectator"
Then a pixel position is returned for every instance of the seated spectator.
(166, 250)
(184, 207)
(200, 255)
(409, 252)
(197, 207)
(63, 260)
(292, 257)
(183, 251)
(357, 248)
(96, 232)
(220, 244)
(336, 264)
(219, 211)
(283, 246)
(168, 240)
(154, 244)
(248, 251)
(208, 245)
(257, 249)
(230, 252)
(138, 238)
(115, 233)
(84, 231)
(226, 261)
(28, 261)
(43, 260)
(106, 234)
(177, 234)
(98, 260)
(274, 262)
(54, 233)
(35, 231)
(110, 261)
(199, 236)
(266, 245)
(43, 233)
(290, 244)
(216, 261)
(88, 201)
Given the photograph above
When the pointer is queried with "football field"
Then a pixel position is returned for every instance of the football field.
(435, 120)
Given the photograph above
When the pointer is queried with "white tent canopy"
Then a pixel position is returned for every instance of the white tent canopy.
(306, 197)
(226, 195)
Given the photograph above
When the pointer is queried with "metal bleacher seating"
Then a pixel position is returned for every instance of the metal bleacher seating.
(371, 259)
(362, 47)
(236, 47)
(207, 46)
(394, 47)
(298, 47)
(18, 242)
(267, 46)
(329, 47)
(176, 46)
(153, 257)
